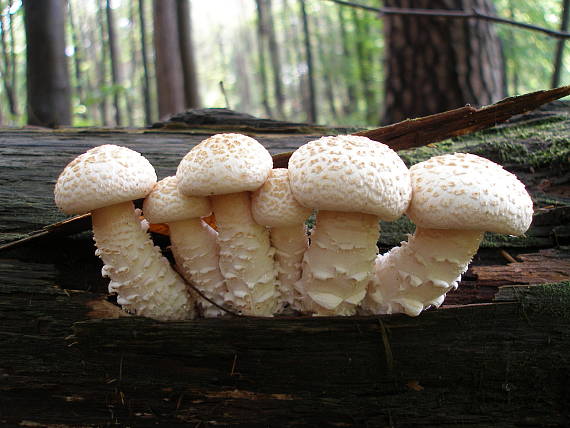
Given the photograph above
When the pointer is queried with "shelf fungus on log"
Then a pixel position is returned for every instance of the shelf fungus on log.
(194, 243)
(274, 206)
(456, 198)
(353, 182)
(227, 167)
(104, 181)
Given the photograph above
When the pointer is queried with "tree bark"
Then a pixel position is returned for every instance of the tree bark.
(169, 75)
(48, 87)
(436, 64)
(191, 92)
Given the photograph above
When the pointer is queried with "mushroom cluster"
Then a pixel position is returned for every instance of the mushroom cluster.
(260, 260)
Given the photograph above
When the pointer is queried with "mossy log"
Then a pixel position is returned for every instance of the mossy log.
(497, 355)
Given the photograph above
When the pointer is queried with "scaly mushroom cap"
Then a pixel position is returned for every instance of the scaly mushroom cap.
(350, 174)
(165, 204)
(103, 176)
(224, 164)
(468, 192)
(273, 203)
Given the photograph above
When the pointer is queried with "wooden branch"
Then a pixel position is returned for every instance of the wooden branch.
(460, 14)
(419, 132)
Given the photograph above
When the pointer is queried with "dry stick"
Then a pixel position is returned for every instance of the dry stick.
(474, 14)
(203, 296)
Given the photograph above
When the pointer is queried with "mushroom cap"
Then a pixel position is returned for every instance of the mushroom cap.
(468, 192)
(102, 176)
(165, 204)
(273, 203)
(351, 174)
(223, 164)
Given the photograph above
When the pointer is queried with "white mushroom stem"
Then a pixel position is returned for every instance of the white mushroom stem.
(290, 244)
(421, 271)
(195, 248)
(246, 256)
(339, 262)
(142, 278)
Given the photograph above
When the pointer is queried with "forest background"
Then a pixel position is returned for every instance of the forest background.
(251, 56)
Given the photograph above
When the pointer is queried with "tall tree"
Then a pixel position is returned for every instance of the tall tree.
(169, 76)
(275, 58)
(9, 62)
(311, 95)
(115, 66)
(144, 60)
(175, 71)
(437, 63)
(102, 82)
(48, 87)
(262, 26)
(191, 94)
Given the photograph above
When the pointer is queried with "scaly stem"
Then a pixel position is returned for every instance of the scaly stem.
(420, 272)
(290, 244)
(246, 256)
(339, 262)
(195, 249)
(142, 278)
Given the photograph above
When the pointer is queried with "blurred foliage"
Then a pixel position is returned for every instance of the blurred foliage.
(348, 49)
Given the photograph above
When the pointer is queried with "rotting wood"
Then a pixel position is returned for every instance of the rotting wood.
(500, 365)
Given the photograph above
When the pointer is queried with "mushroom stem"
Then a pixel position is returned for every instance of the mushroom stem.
(246, 255)
(195, 249)
(142, 278)
(339, 262)
(290, 244)
(420, 272)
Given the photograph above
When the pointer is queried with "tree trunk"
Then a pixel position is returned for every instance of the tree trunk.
(48, 85)
(102, 75)
(437, 63)
(77, 54)
(115, 67)
(144, 59)
(349, 79)
(311, 95)
(8, 72)
(261, 36)
(169, 74)
(275, 60)
(191, 92)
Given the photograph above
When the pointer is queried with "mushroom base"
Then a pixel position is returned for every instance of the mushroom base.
(246, 256)
(142, 278)
(420, 272)
(195, 249)
(339, 262)
(290, 244)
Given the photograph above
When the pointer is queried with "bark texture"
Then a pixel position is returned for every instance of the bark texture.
(48, 85)
(439, 63)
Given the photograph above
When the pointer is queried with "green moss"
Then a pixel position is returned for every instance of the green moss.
(543, 144)
(548, 298)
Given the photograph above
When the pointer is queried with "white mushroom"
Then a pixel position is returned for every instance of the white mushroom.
(353, 182)
(456, 198)
(227, 167)
(104, 181)
(194, 242)
(273, 205)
